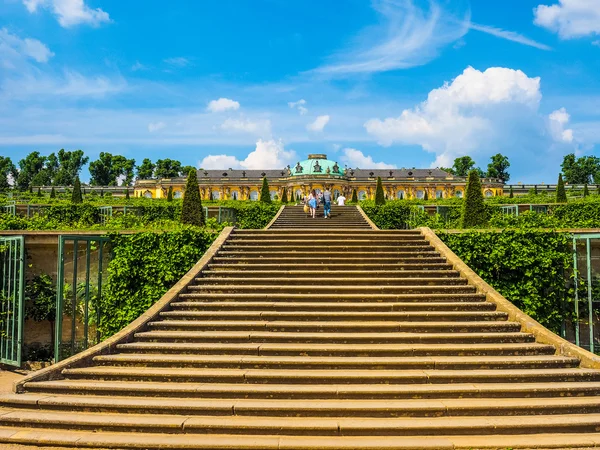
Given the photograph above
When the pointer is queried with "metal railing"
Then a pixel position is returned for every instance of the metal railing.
(12, 265)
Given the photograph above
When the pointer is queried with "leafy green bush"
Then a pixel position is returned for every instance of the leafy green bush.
(144, 266)
(392, 215)
(528, 267)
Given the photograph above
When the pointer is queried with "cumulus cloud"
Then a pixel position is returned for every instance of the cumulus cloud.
(268, 154)
(70, 12)
(557, 121)
(156, 126)
(570, 18)
(407, 36)
(478, 113)
(247, 126)
(300, 106)
(319, 124)
(222, 104)
(13, 47)
(355, 158)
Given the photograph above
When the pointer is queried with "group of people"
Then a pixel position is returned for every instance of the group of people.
(314, 199)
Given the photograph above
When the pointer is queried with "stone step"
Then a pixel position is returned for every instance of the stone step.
(323, 256)
(335, 316)
(258, 266)
(343, 274)
(326, 261)
(425, 297)
(382, 233)
(387, 249)
(355, 350)
(326, 236)
(317, 391)
(337, 363)
(308, 408)
(330, 306)
(334, 338)
(346, 376)
(339, 326)
(316, 288)
(292, 283)
(340, 241)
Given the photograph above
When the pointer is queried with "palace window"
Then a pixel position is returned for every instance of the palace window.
(489, 193)
(420, 193)
(400, 195)
(215, 195)
(235, 195)
(254, 195)
(148, 194)
(458, 194)
(299, 194)
(362, 195)
(336, 194)
(274, 195)
(177, 194)
(439, 194)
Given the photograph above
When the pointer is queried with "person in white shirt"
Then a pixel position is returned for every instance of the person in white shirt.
(341, 200)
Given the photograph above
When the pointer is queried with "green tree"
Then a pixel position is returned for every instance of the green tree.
(265, 195)
(40, 297)
(185, 170)
(354, 196)
(168, 168)
(191, 211)
(535, 191)
(511, 195)
(497, 167)
(76, 196)
(448, 169)
(30, 168)
(170, 194)
(145, 171)
(52, 192)
(462, 166)
(581, 170)
(127, 194)
(586, 191)
(8, 171)
(108, 169)
(284, 196)
(474, 213)
(379, 197)
(68, 166)
(561, 195)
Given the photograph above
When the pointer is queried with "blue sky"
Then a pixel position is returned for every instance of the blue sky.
(261, 83)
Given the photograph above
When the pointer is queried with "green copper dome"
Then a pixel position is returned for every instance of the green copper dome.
(317, 165)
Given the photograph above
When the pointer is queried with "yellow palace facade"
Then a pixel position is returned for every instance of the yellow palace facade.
(317, 172)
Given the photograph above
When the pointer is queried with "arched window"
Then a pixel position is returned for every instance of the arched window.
(420, 193)
(362, 195)
(299, 194)
(318, 191)
(489, 193)
(215, 195)
(177, 194)
(400, 195)
(458, 194)
(254, 195)
(235, 195)
(148, 194)
(336, 194)
(274, 195)
(439, 194)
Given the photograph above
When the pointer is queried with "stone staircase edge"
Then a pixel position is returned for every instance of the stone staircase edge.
(275, 218)
(54, 371)
(369, 221)
(529, 325)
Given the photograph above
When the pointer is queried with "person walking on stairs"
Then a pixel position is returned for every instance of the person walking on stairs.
(312, 203)
(327, 204)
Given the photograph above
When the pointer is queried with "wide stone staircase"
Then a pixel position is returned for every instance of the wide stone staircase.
(325, 339)
(347, 217)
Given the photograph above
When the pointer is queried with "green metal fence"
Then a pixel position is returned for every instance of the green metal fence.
(12, 264)
(512, 210)
(35, 209)
(82, 263)
(540, 209)
(9, 208)
(106, 213)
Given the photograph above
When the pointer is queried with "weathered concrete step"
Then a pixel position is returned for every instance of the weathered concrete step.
(327, 260)
(329, 280)
(326, 426)
(319, 289)
(316, 376)
(334, 297)
(330, 267)
(317, 391)
(338, 363)
(329, 273)
(155, 441)
(340, 241)
(331, 306)
(334, 338)
(384, 249)
(326, 236)
(301, 316)
(308, 408)
(340, 326)
(383, 233)
(363, 350)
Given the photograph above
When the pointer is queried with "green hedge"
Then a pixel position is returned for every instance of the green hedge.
(528, 267)
(143, 267)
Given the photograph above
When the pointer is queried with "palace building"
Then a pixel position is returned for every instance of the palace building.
(317, 172)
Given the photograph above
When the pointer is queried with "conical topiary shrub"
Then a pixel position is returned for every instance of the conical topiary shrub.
(39, 192)
(265, 195)
(284, 196)
(379, 197)
(170, 194)
(586, 191)
(426, 195)
(561, 195)
(191, 210)
(511, 194)
(474, 212)
(126, 194)
(354, 196)
(52, 192)
(76, 196)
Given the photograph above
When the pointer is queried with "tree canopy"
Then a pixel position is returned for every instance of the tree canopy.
(109, 169)
(497, 167)
(145, 171)
(582, 170)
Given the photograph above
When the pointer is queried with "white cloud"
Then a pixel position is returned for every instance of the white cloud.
(13, 47)
(299, 105)
(70, 12)
(247, 126)
(570, 18)
(156, 126)
(318, 124)
(557, 121)
(408, 36)
(178, 61)
(223, 104)
(479, 113)
(356, 158)
(509, 35)
(269, 154)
